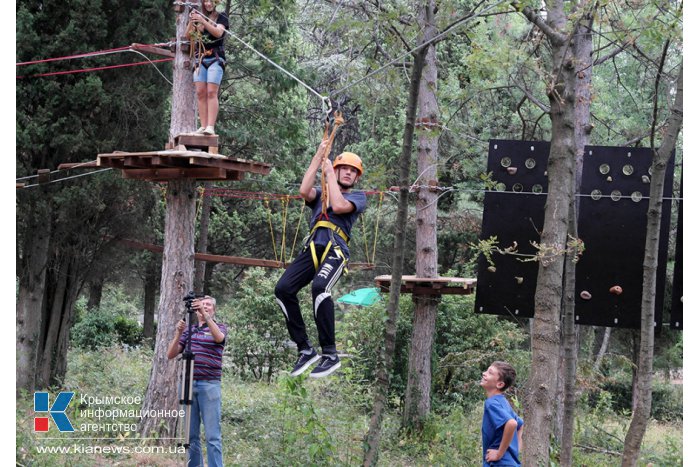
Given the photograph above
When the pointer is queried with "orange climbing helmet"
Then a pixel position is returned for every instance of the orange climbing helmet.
(351, 159)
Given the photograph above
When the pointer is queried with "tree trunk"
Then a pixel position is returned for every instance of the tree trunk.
(150, 287)
(30, 298)
(602, 350)
(386, 363)
(203, 239)
(178, 257)
(62, 286)
(542, 385)
(95, 293)
(420, 353)
(582, 51)
(642, 405)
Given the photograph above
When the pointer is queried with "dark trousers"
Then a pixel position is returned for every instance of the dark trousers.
(299, 274)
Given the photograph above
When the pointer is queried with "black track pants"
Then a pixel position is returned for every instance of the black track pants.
(300, 273)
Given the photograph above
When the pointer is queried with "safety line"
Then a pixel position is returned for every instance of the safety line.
(68, 178)
(83, 55)
(86, 70)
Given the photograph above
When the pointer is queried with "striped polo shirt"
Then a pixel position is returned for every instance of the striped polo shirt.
(207, 353)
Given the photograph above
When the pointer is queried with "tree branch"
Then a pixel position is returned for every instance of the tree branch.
(532, 98)
(556, 37)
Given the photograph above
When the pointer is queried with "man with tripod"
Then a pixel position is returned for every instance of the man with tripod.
(207, 341)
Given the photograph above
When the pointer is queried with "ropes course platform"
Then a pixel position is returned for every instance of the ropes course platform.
(192, 156)
(429, 285)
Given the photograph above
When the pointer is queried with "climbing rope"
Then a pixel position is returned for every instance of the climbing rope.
(337, 122)
(296, 234)
(272, 232)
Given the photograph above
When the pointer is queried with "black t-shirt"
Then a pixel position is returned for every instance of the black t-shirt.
(211, 42)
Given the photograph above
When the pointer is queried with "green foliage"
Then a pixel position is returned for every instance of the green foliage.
(305, 438)
(94, 330)
(109, 324)
(257, 331)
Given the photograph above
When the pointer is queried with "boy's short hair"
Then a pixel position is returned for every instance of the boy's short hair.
(507, 373)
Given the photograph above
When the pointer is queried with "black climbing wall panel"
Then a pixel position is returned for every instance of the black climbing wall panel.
(612, 223)
(513, 212)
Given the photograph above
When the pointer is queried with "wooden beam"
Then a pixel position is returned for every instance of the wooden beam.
(174, 173)
(77, 165)
(263, 263)
(153, 50)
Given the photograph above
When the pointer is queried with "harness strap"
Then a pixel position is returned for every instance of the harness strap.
(331, 226)
(336, 248)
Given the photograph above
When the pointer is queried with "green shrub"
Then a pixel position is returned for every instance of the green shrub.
(94, 330)
(666, 405)
(256, 329)
(129, 331)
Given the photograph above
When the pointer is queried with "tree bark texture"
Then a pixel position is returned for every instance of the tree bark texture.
(417, 399)
(203, 240)
(150, 287)
(95, 292)
(582, 55)
(602, 350)
(385, 364)
(63, 282)
(176, 282)
(30, 299)
(642, 402)
(178, 256)
(542, 385)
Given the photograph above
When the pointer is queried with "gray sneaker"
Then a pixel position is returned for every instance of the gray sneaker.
(329, 363)
(306, 359)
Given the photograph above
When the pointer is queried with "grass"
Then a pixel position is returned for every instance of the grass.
(298, 421)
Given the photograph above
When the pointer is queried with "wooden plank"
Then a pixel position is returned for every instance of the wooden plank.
(153, 50)
(231, 165)
(265, 263)
(77, 165)
(200, 141)
(174, 173)
(137, 161)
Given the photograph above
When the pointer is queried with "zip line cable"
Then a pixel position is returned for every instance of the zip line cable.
(68, 178)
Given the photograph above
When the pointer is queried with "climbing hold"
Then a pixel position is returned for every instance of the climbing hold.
(512, 170)
(616, 289)
(491, 268)
(519, 279)
(609, 179)
(645, 179)
(585, 294)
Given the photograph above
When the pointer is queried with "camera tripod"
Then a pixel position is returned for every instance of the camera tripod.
(187, 375)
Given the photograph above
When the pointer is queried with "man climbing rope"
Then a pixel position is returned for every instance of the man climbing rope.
(322, 261)
(208, 31)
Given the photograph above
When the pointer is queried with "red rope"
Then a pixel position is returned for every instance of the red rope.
(86, 54)
(85, 70)
(229, 193)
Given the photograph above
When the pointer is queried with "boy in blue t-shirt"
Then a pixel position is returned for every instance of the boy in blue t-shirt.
(500, 422)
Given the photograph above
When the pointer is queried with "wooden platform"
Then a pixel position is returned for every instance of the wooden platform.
(429, 286)
(193, 156)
